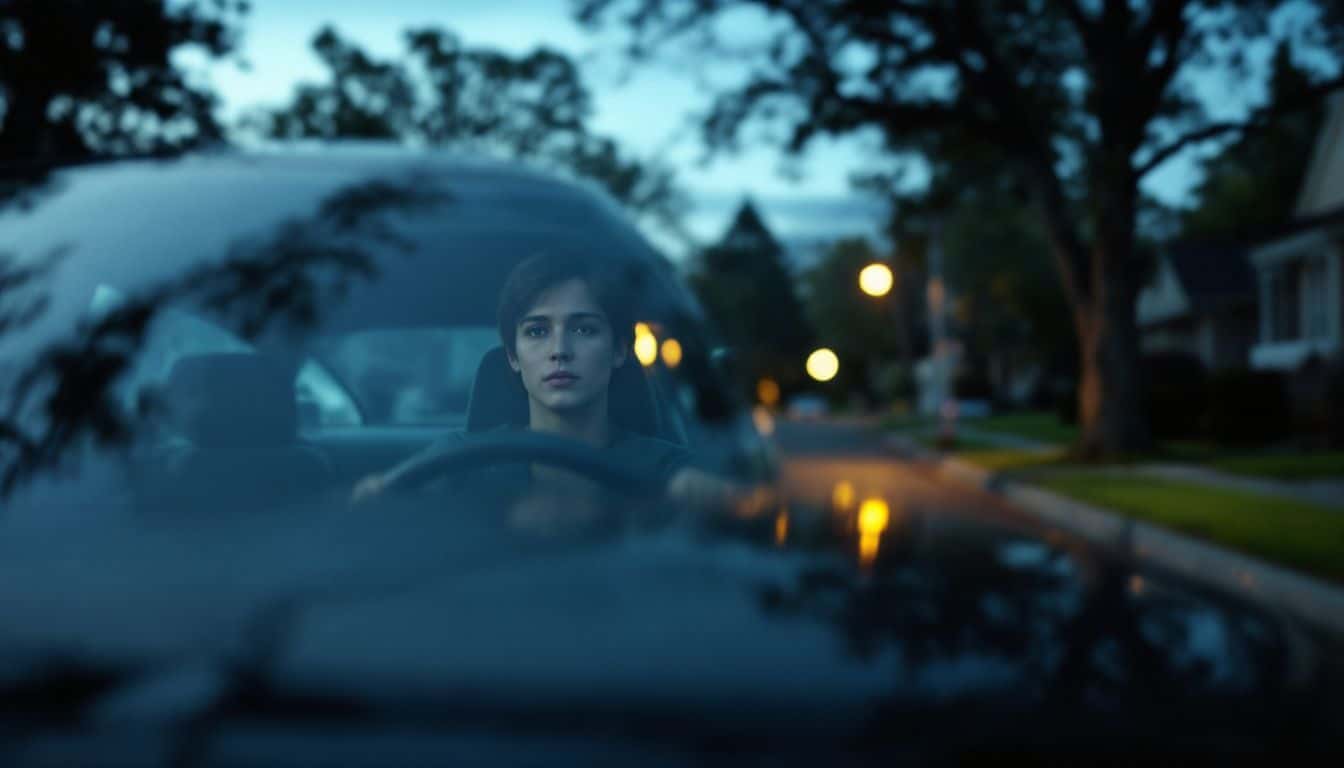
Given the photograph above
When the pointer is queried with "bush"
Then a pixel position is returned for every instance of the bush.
(1245, 407)
(973, 385)
(1176, 388)
(1334, 399)
(1066, 401)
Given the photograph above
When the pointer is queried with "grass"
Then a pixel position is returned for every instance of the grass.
(1042, 426)
(1298, 535)
(1303, 466)
(1006, 459)
(1045, 427)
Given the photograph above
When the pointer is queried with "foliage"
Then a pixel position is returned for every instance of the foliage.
(749, 296)
(443, 93)
(81, 79)
(1008, 299)
(66, 396)
(1176, 393)
(1251, 186)
(865, 332)
(1244, 407)
(1080, 100)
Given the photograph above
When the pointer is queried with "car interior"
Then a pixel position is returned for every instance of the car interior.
(241, 429)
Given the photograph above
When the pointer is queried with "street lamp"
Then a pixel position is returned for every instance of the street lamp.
(876, 279)
(823, 364)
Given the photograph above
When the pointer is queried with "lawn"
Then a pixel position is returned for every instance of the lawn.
(1043, 426)
(1302, 466)
(1301, 536)
(997, 459)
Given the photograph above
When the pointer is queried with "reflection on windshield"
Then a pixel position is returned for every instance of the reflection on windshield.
(842, 497)
(872, 522)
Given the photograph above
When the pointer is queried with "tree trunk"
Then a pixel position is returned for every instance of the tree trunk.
(1112, 402)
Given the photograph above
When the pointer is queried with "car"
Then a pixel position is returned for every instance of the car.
(205, 354)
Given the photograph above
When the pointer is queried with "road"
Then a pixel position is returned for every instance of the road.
(940, 517)
(821, 457)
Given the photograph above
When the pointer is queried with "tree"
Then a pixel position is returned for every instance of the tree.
(865, 332)
(749, 296)
(1082, 98)
(442, 93)
(1251, 186)
(80, 80)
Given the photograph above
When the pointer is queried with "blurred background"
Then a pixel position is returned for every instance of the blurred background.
(1110, 228)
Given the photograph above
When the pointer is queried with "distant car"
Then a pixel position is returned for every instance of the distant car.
(270, 327)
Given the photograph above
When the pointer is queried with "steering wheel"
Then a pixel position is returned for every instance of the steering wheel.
(524, 446)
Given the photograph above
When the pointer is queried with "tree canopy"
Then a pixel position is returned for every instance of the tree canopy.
(1081, 99)
(442, 92)
(749, 295)
(1250, 187)
(81, 79)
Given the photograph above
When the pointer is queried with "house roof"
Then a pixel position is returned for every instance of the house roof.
(1331, 219)
(1212, 275)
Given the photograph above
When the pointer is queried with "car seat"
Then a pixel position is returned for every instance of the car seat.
(238, 415)
(498, 399)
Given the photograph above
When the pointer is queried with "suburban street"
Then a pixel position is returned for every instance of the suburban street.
(937, 519)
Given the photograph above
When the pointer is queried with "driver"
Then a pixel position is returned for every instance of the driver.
(565, 329)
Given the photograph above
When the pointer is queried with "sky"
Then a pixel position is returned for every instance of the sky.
(648, 108)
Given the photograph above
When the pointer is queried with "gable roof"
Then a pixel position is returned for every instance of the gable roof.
(1323, 188)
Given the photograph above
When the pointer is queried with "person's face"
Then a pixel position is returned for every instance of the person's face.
(566, 349)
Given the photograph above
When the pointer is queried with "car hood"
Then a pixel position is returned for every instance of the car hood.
(432, 617)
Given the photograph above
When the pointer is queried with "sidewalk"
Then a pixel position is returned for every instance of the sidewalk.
(1309, 599)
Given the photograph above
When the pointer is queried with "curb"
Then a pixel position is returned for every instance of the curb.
(1311, 600)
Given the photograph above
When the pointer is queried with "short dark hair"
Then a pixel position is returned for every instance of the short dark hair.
(539, 273)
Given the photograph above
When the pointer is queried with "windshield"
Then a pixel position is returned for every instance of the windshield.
(303, 422)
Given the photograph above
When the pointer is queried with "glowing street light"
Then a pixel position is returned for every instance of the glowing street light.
(876, 279)
(823, 365)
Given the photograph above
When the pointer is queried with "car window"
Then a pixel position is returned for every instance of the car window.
(407, 376)
(322, 401)
(173, 335)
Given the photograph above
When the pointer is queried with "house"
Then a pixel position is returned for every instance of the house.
(1201, 301)
(1300, 287)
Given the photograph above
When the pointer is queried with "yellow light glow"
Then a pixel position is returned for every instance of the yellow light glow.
(767, 391)
(782, 528)
(671, 353)
(842, 496)
(823, 365)
(868, 549)
(876, 280)
(873, 517)
(646, 349)
(643, 329)
(765, 423)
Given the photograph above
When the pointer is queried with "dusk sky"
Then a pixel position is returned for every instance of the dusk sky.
(648, 108)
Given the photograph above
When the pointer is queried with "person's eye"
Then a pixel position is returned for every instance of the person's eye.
(587, 330)
(534, 331)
